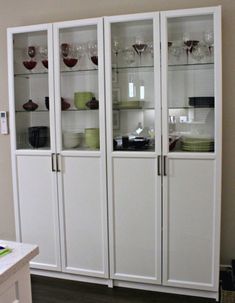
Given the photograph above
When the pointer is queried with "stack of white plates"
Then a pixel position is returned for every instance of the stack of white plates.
(197, 144)
(71, 139)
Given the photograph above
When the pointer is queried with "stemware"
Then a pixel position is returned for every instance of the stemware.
(44, 55)
(175, 49)
(69, 54)
(189, 44)
(208, 38)
(29, 57)
(150, 48)
(200, 52)
(116, 47)
(129, 55)
(93, 52)
(139, 46)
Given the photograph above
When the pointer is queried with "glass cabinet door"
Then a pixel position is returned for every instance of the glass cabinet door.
(31, 87)
(79, 62)
(132, 85)
(190, 83)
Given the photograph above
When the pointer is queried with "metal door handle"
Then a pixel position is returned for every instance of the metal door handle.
(159, 166)
(165, 165)
(58, 168)
(52, 162)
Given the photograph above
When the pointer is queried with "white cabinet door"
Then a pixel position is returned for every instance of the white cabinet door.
(191, 108)
(190, 207)
(135, 220)
(84, 216)
(38, 210)
(133, 143)
(80, 136)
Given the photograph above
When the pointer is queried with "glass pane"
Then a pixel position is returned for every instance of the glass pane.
(79, 88)
(133, 85)
(31, 88)
(191, 84)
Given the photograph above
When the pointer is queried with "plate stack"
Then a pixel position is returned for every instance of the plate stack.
(197, 144)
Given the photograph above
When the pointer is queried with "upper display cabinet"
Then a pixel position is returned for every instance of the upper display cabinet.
(32, 68)
(58, 83)
(189, 52)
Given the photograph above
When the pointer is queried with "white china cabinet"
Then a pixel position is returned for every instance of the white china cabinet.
(156, 122)
(164, 147)
(58, 143)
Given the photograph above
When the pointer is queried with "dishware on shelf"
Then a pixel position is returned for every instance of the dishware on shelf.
(30, 64)
(92, 139)
(64, 48)
(64, 104)
(197, 144)
(199, 52)
(93, 103)
(38, 136)
(30, 106)
(81, 99)
(199, 102)
(71, 139)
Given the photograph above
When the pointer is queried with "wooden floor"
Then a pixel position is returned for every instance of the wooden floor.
(50, 290)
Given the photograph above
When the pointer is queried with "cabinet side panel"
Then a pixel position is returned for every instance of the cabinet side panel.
(135, 219)
(189, 211)
(83, 215)
(38, 210)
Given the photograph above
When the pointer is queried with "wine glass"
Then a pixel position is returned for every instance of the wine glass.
(129, 55)
(29, 56)
(139, 46)
(189, 44)
(116, 47)
(208, 38)
(175, 49)
(200, 51)
(150, 48)
(69, 54)
(43, 55)
(93, 52)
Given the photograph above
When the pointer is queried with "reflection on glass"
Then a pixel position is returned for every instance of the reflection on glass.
(190, 84)
(133, 86)
(79, 88)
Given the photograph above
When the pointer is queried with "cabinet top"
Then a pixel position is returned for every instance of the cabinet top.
(21, 254)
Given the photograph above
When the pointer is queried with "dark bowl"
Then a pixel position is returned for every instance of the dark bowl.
(38, 136)
(29, 64)
(139, 142)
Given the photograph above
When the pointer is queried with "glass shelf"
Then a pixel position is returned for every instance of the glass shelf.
(47, 111)
(193, 66)
(171, 67)
(63, 72)
(189, 107)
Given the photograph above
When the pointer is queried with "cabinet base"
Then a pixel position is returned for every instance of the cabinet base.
(134, 285)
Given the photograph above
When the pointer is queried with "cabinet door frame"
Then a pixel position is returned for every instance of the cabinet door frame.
(25, 152)
(111, 155)
(100, 154)
(216, 156)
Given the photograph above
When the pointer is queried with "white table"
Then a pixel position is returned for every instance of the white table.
(15, 284)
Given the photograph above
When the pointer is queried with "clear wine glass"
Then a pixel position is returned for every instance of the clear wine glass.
(208, 38)
(200, 52)
(129, 55)
(116, 47)
(175, 49)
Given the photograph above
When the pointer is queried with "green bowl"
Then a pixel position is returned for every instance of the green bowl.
(81, 98)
